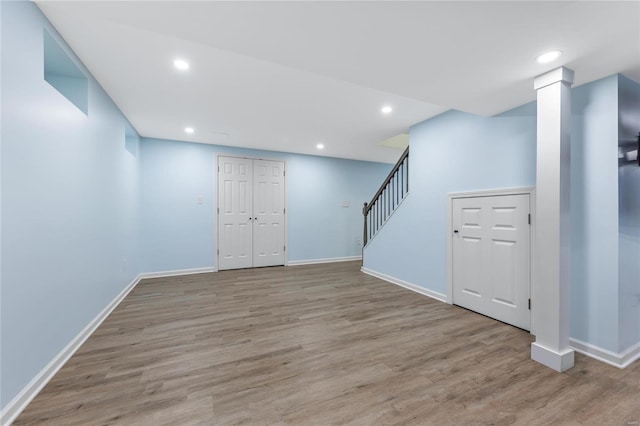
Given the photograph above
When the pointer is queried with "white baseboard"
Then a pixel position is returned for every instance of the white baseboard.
(176, 272)
(26, 395)
(329, 260)
(620, 360)
(413, 287)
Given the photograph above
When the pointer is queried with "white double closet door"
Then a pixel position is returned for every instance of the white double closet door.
(251, 213)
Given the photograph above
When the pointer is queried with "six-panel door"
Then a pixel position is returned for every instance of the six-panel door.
(491, 260)
(268, 213)
(235, 217)
(251, 202)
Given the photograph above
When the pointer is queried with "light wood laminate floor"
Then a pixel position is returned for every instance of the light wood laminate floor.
(317, 345)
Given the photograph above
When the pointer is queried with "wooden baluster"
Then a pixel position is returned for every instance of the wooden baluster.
(364, 232)
(407, 160)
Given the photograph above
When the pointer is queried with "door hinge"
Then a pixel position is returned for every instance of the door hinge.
(529, 304)
(218, 252)
(218, 210)
(218, 169)
(284, 211)
(529, 219)
(284, 173)
(284, 248)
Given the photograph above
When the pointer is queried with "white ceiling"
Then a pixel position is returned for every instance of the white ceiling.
(288, 75)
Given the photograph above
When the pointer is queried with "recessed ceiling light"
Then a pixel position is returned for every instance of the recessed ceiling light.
(189, 129)
(549, 56)
(386, 109)
(181, 64)
(320, 146)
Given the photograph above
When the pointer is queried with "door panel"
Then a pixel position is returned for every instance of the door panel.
(268, 213)
(491, 257)
(235, 203)
(503, 271)
(470, 252)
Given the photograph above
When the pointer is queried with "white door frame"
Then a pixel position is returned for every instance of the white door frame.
(216, 239)
(531, 191)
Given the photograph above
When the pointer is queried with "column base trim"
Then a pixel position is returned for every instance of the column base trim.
(559, 361)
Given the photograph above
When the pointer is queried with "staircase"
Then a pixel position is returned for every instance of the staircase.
(391, 193)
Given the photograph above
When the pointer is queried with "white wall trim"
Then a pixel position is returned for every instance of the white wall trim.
(177, 272)
(620, 360)
(493, 192)
(409, 286)
(328, 260)
(529, 190)
(26, 395)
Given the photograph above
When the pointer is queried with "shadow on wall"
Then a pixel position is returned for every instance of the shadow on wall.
(629, 210)
(629, 243)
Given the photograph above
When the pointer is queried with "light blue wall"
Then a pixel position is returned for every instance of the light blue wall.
(72, 196)
(594, 213)
(81, 193)
(452, 152)
(629, 202)
(457, 152)
(178, 234)
(70, 205)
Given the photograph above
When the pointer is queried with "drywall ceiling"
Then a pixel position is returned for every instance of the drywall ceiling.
(400, 141)
(289, 75)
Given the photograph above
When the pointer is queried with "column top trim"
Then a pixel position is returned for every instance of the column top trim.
(561, 74)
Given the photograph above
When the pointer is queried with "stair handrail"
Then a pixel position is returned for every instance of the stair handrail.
(368, 206)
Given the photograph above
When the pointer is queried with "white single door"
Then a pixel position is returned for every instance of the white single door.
(491, 257)
(235, 214)
(268, 213)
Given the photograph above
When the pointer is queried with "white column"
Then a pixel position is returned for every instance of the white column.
(550, 292)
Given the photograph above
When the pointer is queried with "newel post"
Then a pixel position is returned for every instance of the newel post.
(364, 213)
